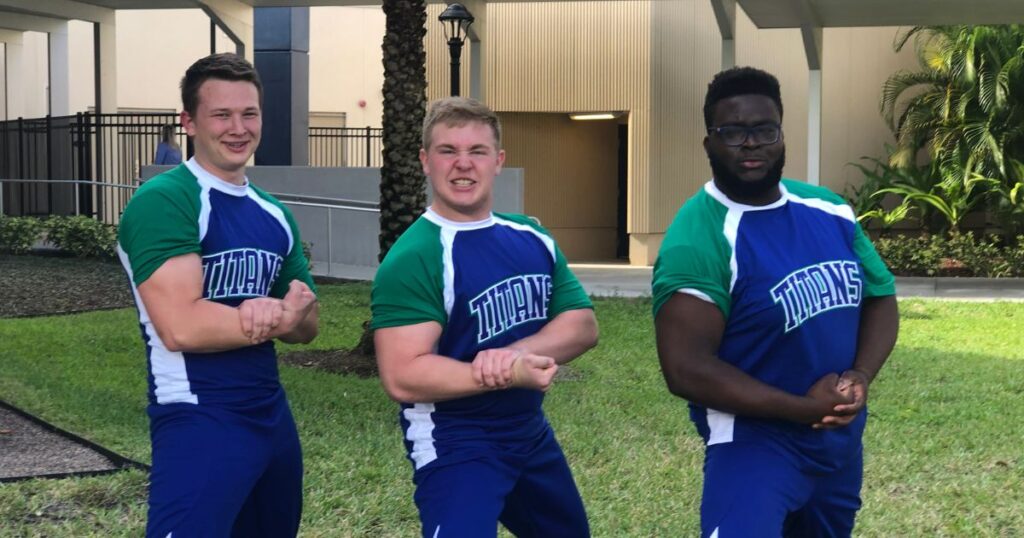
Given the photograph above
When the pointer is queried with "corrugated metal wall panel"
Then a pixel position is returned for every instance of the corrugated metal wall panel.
(781, 53)
(653, 60)
(571, 178)
(573, 57)
(686, 53)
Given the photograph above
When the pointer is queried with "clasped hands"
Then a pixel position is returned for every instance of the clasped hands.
(841, 397)
(502, 368)
(263, 318)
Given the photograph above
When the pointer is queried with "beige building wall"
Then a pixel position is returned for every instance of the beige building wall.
(154, 48)
(653, 61)
(857, 62)
(34, 79)
(557, 58)
(345, 63)
(82, 66)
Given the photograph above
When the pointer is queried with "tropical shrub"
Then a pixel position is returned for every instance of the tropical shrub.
(952, 255)
(19, 234)
(82, 236)
(965, 110)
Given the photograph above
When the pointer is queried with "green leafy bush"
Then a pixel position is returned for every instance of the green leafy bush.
(952, 255)
(911, 256)
(307, 251)
(18, 234)
(82, 236)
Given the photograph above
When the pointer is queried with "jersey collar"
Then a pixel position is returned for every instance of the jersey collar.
(211, 181)
(717, 194)
(432, 216)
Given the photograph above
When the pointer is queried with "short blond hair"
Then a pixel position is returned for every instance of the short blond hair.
(456, 112)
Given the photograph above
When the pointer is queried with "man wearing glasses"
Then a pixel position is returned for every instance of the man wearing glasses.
(773, 314)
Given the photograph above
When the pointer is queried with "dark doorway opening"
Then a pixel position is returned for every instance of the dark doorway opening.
(622, 235)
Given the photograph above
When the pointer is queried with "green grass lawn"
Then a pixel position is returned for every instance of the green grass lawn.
(945, 448)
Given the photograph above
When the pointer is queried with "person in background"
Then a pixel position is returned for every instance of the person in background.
(167, 151)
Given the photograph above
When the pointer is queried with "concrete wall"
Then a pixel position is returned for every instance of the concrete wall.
(345, 241)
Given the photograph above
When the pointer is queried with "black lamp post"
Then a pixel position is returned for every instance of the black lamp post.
(456, 20)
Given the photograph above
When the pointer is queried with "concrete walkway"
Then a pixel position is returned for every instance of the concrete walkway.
(620, 280)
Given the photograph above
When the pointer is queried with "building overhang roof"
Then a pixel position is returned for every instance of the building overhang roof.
(852, 13)
(764, 13)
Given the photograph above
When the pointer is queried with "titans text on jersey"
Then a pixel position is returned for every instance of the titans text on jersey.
(242, 272)
(814, 289)
(509, 303)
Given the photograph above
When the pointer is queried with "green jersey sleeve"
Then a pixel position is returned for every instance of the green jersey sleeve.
(409, 287)
(566, 291)
(160, 222)
(695, 256)
(878, 280)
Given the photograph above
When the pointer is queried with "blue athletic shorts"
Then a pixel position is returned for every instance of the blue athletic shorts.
(754, 490)
(221, 473)
(529, 489)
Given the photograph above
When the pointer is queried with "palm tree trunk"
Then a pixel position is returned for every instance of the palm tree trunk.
(402, 184)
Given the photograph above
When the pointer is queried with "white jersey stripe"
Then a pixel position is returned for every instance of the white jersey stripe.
(447, 244)
(170, 377)
(721, 425)
(839, 210)
(730, 230)
(276, 213)
(548, 242)
(421, 433)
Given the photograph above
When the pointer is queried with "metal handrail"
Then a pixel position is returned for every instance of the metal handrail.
(367, 207)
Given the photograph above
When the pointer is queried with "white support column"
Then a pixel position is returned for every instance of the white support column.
(725, 15)
(15, 98)
(814, 127)
(51, 17)
(235, 19)
(477, 33)
(105, 43)
(812, 36)
(60, 70)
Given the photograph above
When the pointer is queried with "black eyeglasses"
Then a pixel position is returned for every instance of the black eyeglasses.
(737, 135)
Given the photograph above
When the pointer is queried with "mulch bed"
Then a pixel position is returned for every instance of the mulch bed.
(32, 448)
(48, 285)
(43, 285)
(335, 361)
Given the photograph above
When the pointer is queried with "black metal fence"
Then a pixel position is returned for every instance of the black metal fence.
(345, 146)
(100, 148)
(110, 150)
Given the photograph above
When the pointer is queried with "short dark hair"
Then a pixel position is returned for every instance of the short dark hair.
(223, 66)
(456, 112)
(741, 81)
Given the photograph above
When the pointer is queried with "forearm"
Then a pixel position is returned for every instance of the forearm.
(431, 378)
(716, 384)
(203, 326)
(879, 327)
(567, 336)
(303, 332)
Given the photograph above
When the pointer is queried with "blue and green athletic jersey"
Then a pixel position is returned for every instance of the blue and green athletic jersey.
(789, 279)
(250, 247)
(488, 284)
